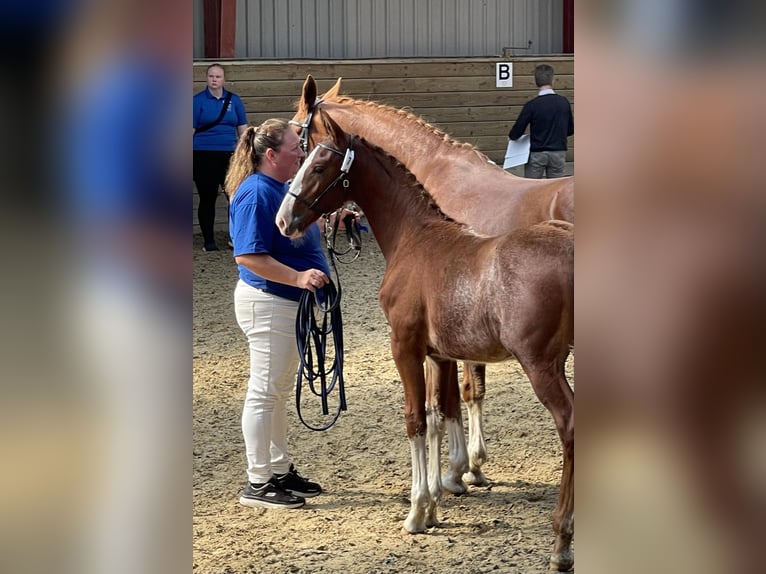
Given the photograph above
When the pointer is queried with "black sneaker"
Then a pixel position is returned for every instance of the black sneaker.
(293, 482)
(210, 246)
(269, 495)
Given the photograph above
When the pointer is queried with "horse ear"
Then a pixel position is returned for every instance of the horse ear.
(309, 94)
(333, 92)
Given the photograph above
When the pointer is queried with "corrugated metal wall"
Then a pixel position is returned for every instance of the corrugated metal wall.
(199, 31)
(349, 29)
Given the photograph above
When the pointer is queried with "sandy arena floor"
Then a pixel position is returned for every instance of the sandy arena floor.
(363, 462)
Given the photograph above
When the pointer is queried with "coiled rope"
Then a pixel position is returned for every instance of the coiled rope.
(318, 322)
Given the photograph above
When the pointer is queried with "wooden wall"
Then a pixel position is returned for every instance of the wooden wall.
(457, 95)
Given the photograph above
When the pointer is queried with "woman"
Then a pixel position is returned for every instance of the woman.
(219, 120)
(273, 271)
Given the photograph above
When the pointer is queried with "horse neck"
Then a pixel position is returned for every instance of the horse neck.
(411, 142)
(390, 198)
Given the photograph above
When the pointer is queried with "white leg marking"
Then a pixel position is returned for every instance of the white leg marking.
(458, 457)
(477, 450)
(419, 497)
(435, 433)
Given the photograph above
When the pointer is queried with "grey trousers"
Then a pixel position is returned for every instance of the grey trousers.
(543, 164)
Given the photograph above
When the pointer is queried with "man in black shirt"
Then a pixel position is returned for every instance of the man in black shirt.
(550, 121)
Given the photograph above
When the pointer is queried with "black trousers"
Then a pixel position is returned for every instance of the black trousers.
(209, 173)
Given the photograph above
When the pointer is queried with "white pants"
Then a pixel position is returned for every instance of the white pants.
(268, 322)
(133, 374)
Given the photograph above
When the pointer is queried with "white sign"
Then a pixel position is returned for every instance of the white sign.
(517, 152)
(504, 75)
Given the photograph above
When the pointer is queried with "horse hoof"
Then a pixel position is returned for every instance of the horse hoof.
(414, 525)
(454, 486)
(562, 563)
(476, 478)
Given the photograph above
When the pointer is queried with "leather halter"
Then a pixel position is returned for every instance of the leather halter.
(306, 126)
(348, 159)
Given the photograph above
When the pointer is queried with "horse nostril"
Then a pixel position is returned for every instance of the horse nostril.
(284, 226)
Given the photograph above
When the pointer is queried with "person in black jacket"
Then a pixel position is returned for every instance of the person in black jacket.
(550, 121)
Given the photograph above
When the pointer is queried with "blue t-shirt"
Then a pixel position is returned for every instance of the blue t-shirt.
(222, 137)
(253, 230)
(112, 152)
(119, 171)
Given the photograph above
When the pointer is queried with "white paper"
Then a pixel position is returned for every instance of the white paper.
(517, 152)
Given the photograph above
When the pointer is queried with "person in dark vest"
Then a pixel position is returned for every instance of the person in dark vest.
(550, 121)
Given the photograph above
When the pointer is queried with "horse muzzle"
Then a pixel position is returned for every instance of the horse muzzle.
(292, 228)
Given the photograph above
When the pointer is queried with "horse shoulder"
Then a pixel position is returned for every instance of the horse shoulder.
(401, 298)
(393, 282)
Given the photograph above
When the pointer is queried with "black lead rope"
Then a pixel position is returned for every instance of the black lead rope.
(353, 236)
(313, 335)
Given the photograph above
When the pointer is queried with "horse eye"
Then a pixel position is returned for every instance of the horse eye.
(318, 169)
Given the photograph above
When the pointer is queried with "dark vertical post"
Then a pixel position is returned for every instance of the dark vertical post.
(211, 12)
(568, 28)
(228, 20)
(220, 27)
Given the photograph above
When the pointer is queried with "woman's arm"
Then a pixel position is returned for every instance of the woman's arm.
(266, 266)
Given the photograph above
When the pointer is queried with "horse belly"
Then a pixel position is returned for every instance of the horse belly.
(461, 339)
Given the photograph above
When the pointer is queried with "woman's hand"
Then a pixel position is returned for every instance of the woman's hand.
(342, 213)
(312, 279)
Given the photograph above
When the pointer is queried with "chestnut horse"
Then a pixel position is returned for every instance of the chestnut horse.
(469, 189)
(450, 294)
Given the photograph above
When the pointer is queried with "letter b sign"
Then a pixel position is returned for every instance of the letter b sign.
(504, 75)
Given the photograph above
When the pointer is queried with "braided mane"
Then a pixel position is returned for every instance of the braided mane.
(411, 118)
(415, 121)
(412, 182)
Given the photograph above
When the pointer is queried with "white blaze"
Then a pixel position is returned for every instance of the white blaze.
(285, 212)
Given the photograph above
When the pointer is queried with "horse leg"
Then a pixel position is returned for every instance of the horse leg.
(434, 435)
(410, 368)
(473, 389)
(551, 387)
(706, 430)
(441, 379)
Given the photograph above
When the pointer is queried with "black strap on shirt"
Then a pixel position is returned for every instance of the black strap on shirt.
(217, 121)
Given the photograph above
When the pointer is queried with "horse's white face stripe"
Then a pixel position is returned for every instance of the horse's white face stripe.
(295, 186)
(286, 209)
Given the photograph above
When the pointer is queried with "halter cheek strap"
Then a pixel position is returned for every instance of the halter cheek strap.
(306, 126)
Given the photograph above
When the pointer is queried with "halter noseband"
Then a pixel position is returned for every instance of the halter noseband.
(348, 159)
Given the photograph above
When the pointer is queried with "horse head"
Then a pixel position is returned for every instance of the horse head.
(308, 128)
(321, 184)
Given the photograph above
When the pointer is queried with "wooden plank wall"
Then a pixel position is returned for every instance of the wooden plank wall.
(457, 95)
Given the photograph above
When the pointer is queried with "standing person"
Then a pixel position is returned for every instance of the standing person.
(273, 271)
(550, 121)
(219, 120)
